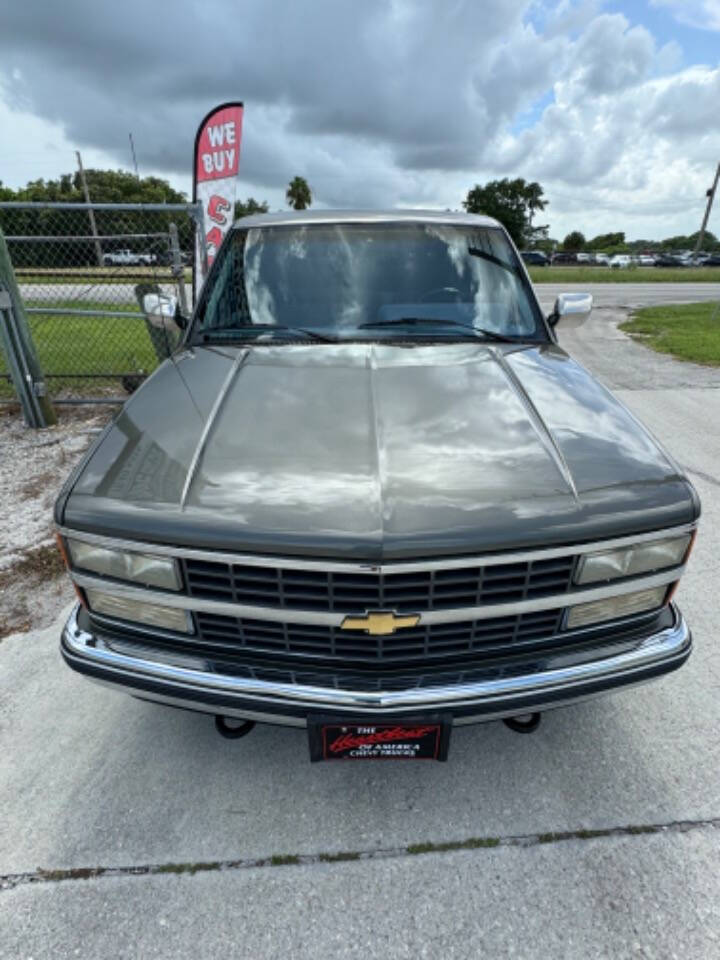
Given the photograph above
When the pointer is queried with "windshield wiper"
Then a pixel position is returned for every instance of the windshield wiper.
(510, 267)
(477, 333)
(240, 331)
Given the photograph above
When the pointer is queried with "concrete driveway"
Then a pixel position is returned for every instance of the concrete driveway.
(128, 830)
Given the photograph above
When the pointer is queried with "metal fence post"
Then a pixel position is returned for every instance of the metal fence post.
(17, 340)
(178, 270)
(200, 270)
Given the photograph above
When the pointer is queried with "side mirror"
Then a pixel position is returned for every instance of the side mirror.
(163, 311)
(571, 304)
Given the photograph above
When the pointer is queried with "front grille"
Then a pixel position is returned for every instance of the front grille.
(438, 589)
(339, 679)
(422, 643)
(229, 658)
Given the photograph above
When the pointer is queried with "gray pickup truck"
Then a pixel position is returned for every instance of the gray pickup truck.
(370, 495)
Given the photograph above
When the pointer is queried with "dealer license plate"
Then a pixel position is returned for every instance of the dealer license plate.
(425, 738)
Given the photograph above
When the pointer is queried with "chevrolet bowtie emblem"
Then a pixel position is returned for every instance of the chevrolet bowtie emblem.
(380, 624)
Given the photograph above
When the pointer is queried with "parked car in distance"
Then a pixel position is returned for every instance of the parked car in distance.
(602, 259)
(371, 496)
(621, 261)
(563, 257)
(128, 258)
(646, 260)
(535, 258)
(713, 260)
(668, 260)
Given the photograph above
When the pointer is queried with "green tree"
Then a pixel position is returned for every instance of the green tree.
(246, 208)
(643, 246)
(710, 241)
(104, 186)
(574, 241)
(298, 193)
(605, 240)
(546, 244)
(678, 242)
(537, 238)
(513, 203)
(142, 229)
(534, 199)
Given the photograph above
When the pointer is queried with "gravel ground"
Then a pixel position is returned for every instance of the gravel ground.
(33, 466)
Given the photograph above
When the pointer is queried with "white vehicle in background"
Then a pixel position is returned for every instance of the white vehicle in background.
(584, 258)
(127, 258)
(603, 259)
(621, 261)
(645, 260)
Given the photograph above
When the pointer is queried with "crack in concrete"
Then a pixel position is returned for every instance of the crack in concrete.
(9, 881)
(707, 477)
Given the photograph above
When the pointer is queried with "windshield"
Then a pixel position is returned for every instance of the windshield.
(368, 281)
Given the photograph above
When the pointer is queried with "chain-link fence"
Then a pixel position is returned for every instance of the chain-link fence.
(82, 271)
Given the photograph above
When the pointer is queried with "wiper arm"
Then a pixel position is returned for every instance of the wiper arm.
(263, 328)
(511, 268)
(478, 333)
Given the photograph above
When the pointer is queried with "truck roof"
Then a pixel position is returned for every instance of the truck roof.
(364, 216)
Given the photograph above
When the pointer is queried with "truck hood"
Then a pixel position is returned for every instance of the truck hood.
(375, 452)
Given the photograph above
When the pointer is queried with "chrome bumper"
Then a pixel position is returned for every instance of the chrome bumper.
(559, 682)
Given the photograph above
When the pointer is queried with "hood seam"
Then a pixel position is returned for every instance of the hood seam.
(209, 423)
(380, 449)
(541, 428)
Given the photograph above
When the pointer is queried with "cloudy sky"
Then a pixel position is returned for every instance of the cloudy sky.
(613, 105)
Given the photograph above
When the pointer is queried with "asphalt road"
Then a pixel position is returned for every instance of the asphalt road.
(188, 822)
(604, 294)
(632, 294)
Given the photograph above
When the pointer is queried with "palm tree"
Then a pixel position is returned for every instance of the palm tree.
(534, 198)
(298, 193)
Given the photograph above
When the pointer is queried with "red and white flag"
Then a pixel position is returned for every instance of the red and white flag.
(217, 159)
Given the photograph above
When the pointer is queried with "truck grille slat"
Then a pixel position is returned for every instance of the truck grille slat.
(287, 588)
(496, 635)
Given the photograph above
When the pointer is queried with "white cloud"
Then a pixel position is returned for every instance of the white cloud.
(378, 104)
(638, 160)
(704, 14)
(32, 148)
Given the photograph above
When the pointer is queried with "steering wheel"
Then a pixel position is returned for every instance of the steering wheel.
(441, 295)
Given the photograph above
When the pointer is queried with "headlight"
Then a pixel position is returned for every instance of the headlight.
(616, 607)
(122, 565)
(630, 561)
(151, 613)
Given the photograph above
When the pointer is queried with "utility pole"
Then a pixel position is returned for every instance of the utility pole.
(710, 197)
(91, 212)
(132, 148)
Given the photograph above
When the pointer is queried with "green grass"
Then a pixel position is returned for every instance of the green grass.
(688, 332)
(67, 344)
(629, 275)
